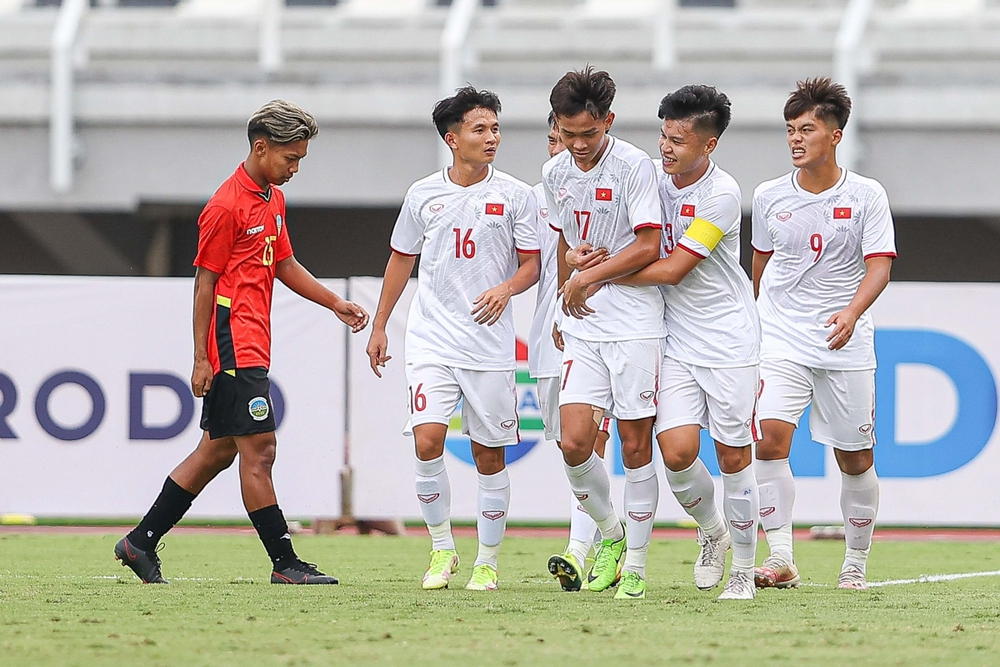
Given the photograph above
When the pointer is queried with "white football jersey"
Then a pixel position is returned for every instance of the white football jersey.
(468, 239)
(544, 358)
(711, 315)
(820, 243)
(605, 207)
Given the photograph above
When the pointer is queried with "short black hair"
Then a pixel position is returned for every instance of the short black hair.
(586, 90)
(709, 109)
(552, 120)
(828, 100)
(451, 111)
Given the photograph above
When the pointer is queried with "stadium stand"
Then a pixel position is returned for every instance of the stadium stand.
(164, 79)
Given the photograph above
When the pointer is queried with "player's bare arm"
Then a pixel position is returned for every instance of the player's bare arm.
(298, 279)
(665, 271)
(875, 280)
(639, 254)
(204, 303)
(489, 305)
(397, 272)
(760, 260)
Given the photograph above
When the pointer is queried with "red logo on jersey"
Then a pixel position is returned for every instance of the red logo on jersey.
(784, 216)
(436, 208)
(603, 194)
(841, 214)
(494, 209)
(687, 211)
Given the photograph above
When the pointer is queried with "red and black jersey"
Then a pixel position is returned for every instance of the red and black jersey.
(242, 236)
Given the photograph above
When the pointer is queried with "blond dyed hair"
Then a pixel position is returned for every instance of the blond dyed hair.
(281, 122)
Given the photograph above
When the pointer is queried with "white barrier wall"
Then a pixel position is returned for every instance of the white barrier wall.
(80, 434)
(95, 409)
(936, 416)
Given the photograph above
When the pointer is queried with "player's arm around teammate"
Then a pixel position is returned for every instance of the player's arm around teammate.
(473, 228)
(823, 248)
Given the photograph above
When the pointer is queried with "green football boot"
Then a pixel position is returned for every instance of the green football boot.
(607, 568)
(631, 587)
(567, 570)
(484, 578)
(444, 563)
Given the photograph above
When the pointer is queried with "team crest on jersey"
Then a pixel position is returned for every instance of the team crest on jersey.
(544, 212)
(842, 213)
(687, 211)
(494, 209)
(561, 192)
(603, 194)
(259, 409)
(784, 216)
(277, 221)
(436, 208)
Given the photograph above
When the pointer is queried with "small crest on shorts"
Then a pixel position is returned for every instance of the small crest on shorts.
(646, 395)
(259, 409)
(509, 424)
(784, 216)
(865, 429)
(741, 525)
(493, 515)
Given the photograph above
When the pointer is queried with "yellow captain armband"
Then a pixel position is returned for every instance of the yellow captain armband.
(705, 233)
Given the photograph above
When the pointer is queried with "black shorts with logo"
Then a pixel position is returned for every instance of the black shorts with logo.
(238, 404)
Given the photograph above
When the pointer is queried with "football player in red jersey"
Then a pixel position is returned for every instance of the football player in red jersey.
(243, 246)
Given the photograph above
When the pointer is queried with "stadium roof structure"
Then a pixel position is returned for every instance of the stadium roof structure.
(159, 95)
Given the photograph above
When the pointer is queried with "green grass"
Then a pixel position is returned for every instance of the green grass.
(64, 601)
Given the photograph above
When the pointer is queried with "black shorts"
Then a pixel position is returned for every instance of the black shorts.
(238, 404)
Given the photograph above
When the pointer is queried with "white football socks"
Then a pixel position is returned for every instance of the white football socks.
(695, 491)
(777, 497)
(582, 532)
(434, 494)
(592, 487)
(642, 489)
(494, 500)
(741, 505)
(859, 503)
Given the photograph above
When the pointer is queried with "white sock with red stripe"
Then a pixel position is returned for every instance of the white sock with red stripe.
(742, 508)
(642, 489)
(859, 503)
(777, 497)
(494, 500)
(695, 491)
(592, 487)
(434, 494)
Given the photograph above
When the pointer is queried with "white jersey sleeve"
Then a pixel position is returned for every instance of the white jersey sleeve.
(718, 215)
(760, 239)
(526, 226)
(408, 234)
(642, 198)
(878, 238)
(544, 357)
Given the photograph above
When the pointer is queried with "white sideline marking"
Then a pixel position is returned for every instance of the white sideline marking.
(931, 578)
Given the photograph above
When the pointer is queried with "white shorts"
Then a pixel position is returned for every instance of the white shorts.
(548, 403)
(843, 402)
(621, 377)
(489, 401)
(723, 400)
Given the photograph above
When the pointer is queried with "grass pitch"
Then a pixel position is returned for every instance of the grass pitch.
(64, 601)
